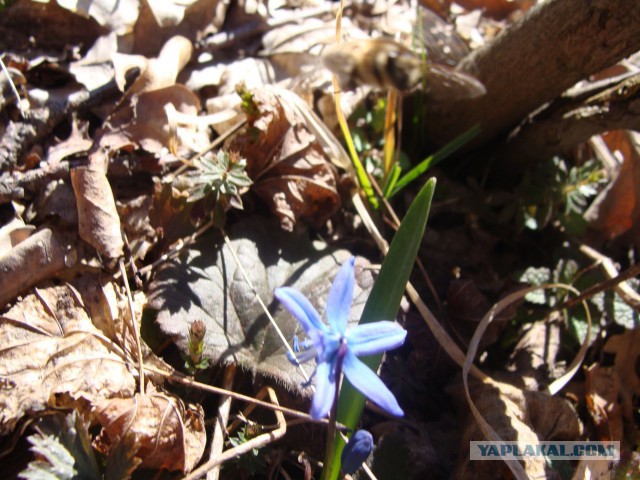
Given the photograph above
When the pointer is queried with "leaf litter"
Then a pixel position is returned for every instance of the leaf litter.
(130, 85)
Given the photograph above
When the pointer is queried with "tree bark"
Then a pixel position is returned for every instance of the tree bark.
(555, 45)
(571, 121)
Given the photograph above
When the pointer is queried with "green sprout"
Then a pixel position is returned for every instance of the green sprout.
(217, 181)
(195, 360)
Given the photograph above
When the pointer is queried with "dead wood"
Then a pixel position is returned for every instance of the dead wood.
(571, 121)
(554, 46)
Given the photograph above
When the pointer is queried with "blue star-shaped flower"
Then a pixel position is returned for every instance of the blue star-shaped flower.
(332, 344)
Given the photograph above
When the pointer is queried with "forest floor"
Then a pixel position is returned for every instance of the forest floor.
(166, 166)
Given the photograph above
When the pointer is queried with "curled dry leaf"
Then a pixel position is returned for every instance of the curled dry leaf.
(289, 168)
(12, 233)
(50, 348)
(99, 223)
(168, 434)
(32, 261)
(161, 72)
(140, 119)
(145, 124)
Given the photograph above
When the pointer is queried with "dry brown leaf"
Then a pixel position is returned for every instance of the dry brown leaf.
(161, 72)
(12, 233)
(51, 349)
(38, 258)
(290, 170)
(140, 119)
(145, 124)
(626, 348)
(99, 223)
(602, 391)
(516, 416)
(117, 16)
(169, 435)
(616, 209)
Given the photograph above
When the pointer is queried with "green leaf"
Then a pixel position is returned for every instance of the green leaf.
(384, 301)
(392, 179)
(64, 448)
(536, 276)
(426, 164)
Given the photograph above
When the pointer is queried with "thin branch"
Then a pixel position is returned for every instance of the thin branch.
(257, 442)
(609, 284)
(219, 430)
(133, 326)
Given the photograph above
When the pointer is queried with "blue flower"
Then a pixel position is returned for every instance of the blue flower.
(356, 451)
(331, 344)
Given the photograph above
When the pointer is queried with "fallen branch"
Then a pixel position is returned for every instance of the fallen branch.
(556, 44)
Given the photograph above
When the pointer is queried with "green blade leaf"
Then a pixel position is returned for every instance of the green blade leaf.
(449, 149)
(392, 179)
(383, 303)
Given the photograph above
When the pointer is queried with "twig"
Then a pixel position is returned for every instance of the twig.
(615, 281)
(14, 90)
(189, 382)
(133, 326)
(219, 431)
(256, 442)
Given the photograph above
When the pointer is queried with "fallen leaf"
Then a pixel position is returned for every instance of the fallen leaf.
(616, 209)
(205, 284)
(50, 348)
(12, 233)
(140, 120)
(162, 71)
(99, 223)
(289, 168)
(144, 124)
(626, 348)
(168, 435)
(526, 417)
(35, 259)
(118, 16)
(602, 392)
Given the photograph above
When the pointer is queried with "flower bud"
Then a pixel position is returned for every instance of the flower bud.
(356, 451)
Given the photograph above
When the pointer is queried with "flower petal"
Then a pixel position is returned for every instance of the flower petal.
(365, 380)
(325, 391)
(341, 297)
(376, 337)
(302, 309)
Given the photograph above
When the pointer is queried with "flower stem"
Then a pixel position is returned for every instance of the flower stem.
(331, 428)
